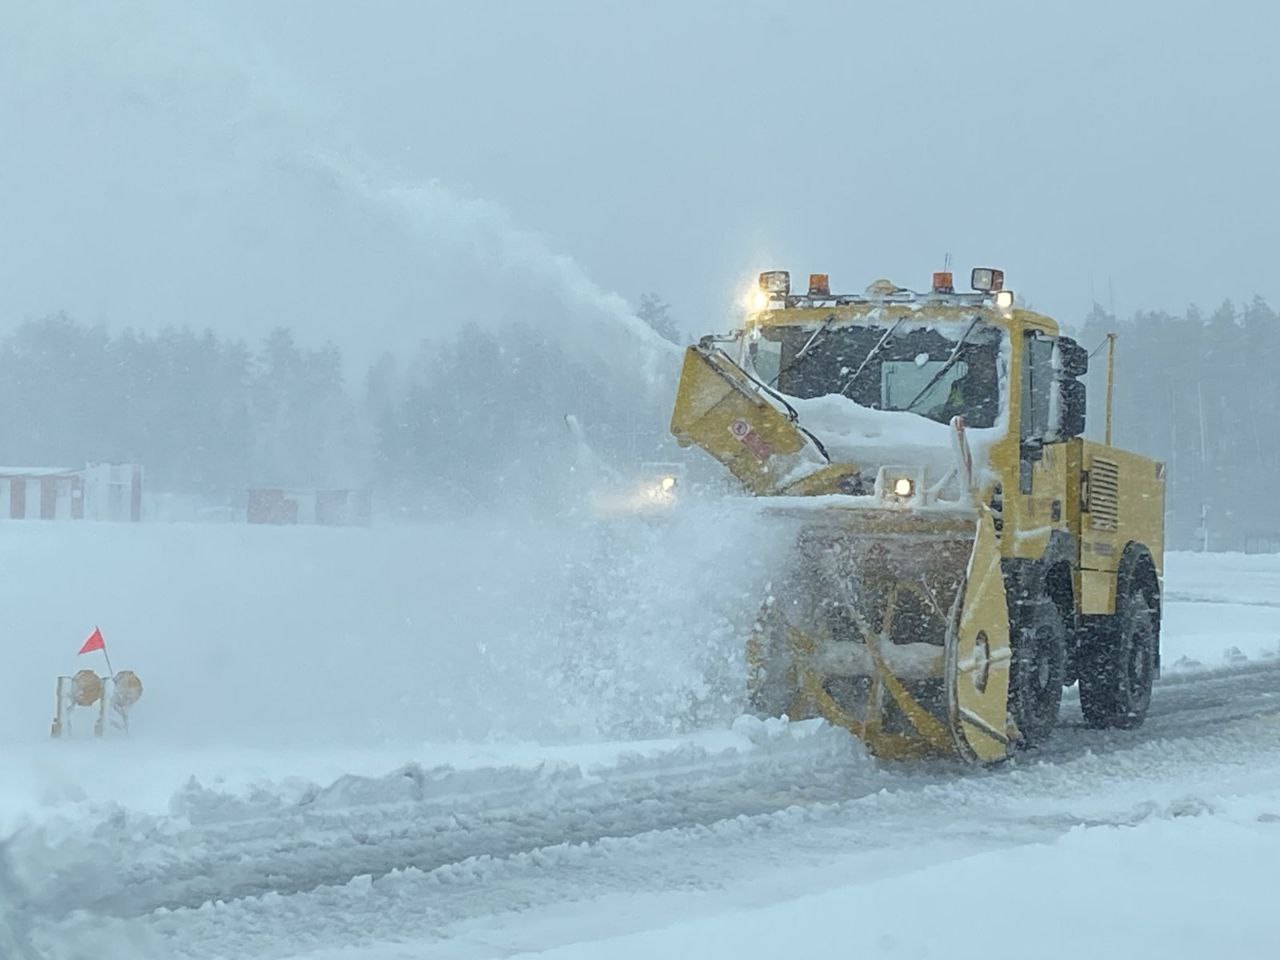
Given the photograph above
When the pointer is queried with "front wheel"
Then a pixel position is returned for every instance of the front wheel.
(1039, 640)
(1119, 666)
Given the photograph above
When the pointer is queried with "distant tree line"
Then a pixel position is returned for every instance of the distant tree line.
(475, 417)
(1201, 393)
(479, 416)
(201, 413)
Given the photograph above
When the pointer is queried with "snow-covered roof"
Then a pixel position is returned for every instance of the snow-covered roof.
(39, 471)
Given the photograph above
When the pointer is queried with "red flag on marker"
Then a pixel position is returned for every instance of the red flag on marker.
(94, 642)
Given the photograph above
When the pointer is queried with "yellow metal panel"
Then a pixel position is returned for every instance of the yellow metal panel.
(978, 654)
(723, 411)
(1097, 592)
(1126, 497)
(1046, 508)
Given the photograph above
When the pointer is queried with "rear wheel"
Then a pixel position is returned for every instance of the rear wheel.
(1119, 666)
(1038, 637)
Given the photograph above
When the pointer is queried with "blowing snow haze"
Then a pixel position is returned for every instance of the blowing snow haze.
(166, 172)
(234, 165)
(339, 347)
(465, 186)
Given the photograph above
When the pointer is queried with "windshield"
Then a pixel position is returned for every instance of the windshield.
(900, 376)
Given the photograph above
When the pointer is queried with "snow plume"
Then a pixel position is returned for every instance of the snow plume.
(508, 626)
(647, 633)
(161, 173)
(487, 269)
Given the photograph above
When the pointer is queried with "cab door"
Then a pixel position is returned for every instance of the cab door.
(1051, 417)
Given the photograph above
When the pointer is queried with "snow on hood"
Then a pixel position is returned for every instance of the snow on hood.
(871, 438)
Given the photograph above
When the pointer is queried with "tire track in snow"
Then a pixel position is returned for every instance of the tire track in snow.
(1176, 597)
(220, 848)
(419, 852)
(908, 823)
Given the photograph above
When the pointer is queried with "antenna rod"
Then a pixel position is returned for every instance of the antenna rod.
(1111, 379)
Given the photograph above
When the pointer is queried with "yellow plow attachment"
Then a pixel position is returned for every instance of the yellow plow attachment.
(891, 620)
(749, 428)
(894, 625)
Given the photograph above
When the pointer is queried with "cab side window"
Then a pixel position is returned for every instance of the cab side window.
(1037, 382)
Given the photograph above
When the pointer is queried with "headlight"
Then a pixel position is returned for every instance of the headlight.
(902, 485)
(776, 282)
(986, 279)
(1004, 300)
(668, 484)
(755, 300)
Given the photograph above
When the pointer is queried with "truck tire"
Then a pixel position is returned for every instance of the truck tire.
(1119, 665)
(1038, 637)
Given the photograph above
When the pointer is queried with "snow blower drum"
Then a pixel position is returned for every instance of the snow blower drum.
(894, 626)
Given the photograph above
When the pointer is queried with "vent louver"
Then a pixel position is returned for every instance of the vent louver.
(1104, 495)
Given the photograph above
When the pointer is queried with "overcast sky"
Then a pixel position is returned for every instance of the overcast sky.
(242, 164)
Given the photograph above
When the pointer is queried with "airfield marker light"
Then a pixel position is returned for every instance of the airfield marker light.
(819, 285)
(776, 282)
(943, 282)
(986, 279)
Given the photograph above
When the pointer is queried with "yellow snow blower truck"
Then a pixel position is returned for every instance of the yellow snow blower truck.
(960, 552)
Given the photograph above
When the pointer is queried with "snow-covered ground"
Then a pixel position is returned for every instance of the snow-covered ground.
(502, 737)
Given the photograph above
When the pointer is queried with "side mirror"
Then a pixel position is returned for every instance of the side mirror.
(1067, 409)
(1072, 359)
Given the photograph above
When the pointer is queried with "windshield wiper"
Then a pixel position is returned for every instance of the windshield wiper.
(803, 351)
(875, 352)
(951, 362)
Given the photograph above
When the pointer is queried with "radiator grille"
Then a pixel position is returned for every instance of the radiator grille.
(1104, 495)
